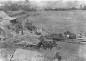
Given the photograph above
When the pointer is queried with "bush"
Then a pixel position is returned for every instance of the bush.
(83, 8)
(9, 6)
(30, 26)
(71, 35)
(46, 44)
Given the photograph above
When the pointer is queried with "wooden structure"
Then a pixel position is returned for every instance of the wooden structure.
(4, 21)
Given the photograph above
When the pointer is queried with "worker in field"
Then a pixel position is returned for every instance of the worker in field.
(57, 56)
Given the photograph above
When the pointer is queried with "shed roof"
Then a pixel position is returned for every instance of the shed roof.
(4, 16)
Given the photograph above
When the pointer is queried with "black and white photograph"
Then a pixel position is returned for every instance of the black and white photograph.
(42, 30)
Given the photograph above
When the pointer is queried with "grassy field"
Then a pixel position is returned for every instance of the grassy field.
(60, 21)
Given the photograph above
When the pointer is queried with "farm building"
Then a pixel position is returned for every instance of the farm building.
(4, 20)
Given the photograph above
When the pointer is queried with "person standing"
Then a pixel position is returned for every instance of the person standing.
(57, 56)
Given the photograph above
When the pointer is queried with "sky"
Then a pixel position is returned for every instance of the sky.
(43, 3)
(42, 0)
(61, 2)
